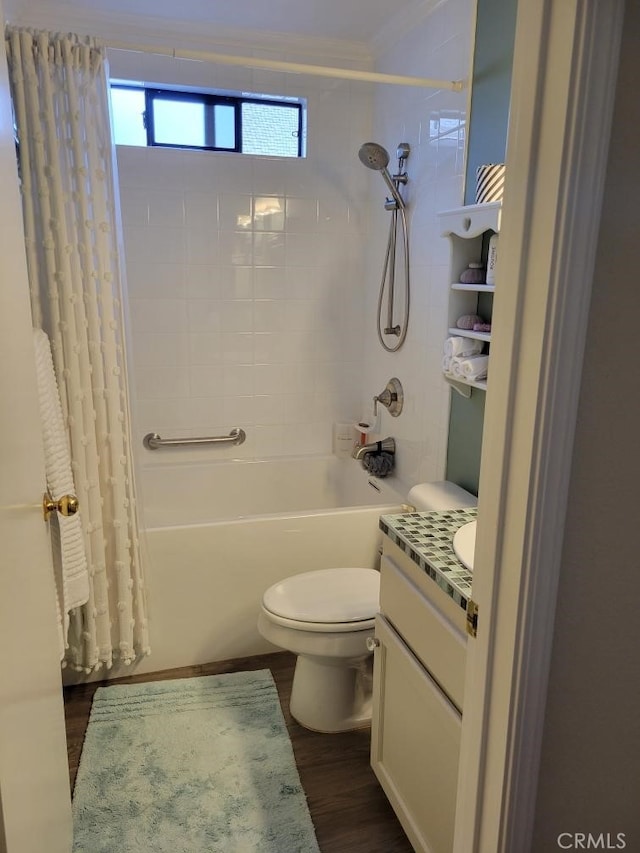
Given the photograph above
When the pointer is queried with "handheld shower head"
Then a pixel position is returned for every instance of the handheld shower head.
(375, 157)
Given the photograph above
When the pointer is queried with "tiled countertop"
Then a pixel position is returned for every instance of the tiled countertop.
(427, 538)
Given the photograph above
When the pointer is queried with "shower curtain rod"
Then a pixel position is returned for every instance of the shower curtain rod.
(291, 67)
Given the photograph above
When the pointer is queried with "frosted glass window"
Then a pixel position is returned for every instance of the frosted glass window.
(270, 129)
(179, 122)
(127, 108)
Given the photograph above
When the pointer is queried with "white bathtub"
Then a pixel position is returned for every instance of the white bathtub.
(218, 535)
(196, 493)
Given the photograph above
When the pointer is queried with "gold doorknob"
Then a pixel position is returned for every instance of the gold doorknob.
(67, 505)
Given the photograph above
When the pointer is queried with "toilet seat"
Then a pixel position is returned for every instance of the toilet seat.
(321, 627)
(328, 600)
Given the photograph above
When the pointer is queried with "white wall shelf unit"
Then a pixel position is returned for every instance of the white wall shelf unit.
(473, 288)
(469, 333)
(472, 220)
(466, 227)
(466, 384)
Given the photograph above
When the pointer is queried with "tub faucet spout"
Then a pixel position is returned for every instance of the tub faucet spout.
(388, 445)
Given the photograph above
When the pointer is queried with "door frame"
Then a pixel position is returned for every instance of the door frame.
(565, 68)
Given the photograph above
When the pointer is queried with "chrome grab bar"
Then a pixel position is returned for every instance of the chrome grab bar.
(152, 440)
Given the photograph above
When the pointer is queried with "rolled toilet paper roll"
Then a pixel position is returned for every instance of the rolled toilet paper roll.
(440, 495)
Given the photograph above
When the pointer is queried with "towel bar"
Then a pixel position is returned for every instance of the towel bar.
(152, 440)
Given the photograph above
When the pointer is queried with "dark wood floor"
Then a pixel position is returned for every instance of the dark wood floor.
(348, 808)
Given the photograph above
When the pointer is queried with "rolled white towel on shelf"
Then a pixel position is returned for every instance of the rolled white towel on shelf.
(446, 363)
(474, 367)
(455, 369)
(460, 346)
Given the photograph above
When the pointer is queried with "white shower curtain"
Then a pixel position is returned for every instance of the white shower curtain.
(60, 94)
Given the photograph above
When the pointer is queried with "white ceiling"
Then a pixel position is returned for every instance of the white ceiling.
(326, 18)
(353, 20)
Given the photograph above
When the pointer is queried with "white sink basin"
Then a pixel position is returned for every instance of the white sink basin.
(464, 544)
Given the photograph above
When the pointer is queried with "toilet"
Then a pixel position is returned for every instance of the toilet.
(326, 617)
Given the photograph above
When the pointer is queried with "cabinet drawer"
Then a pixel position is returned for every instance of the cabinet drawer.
(435, 640)
(415, 744)
(442, 602)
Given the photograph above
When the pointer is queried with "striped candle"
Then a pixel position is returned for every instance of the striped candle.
(490, 182)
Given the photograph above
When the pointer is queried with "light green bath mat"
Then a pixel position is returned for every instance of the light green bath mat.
(194, 765)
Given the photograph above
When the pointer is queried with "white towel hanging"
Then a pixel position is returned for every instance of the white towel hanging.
(68, 551)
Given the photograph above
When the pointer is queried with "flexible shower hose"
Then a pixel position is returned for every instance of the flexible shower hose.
(388, 271)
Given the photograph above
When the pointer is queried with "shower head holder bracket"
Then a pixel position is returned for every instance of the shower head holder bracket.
(403, 150)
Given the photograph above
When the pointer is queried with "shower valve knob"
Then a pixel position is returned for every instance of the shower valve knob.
(392, 398)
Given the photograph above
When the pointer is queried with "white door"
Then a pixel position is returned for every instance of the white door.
(34, 780)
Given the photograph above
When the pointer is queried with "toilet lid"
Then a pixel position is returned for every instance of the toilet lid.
(327, 595)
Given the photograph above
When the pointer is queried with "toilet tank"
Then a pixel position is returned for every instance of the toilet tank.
(440, 495)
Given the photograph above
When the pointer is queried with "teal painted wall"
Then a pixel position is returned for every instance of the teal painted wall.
(488, 123)
(491, 88)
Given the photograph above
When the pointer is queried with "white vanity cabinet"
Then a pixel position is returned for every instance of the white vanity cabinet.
(419, 665)
(468, 229)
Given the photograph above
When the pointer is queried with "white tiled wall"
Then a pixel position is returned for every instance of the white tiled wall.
(246, 285)
(253, 281)
(439, 48)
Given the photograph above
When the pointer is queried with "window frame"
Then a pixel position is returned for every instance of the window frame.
(209, 100)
